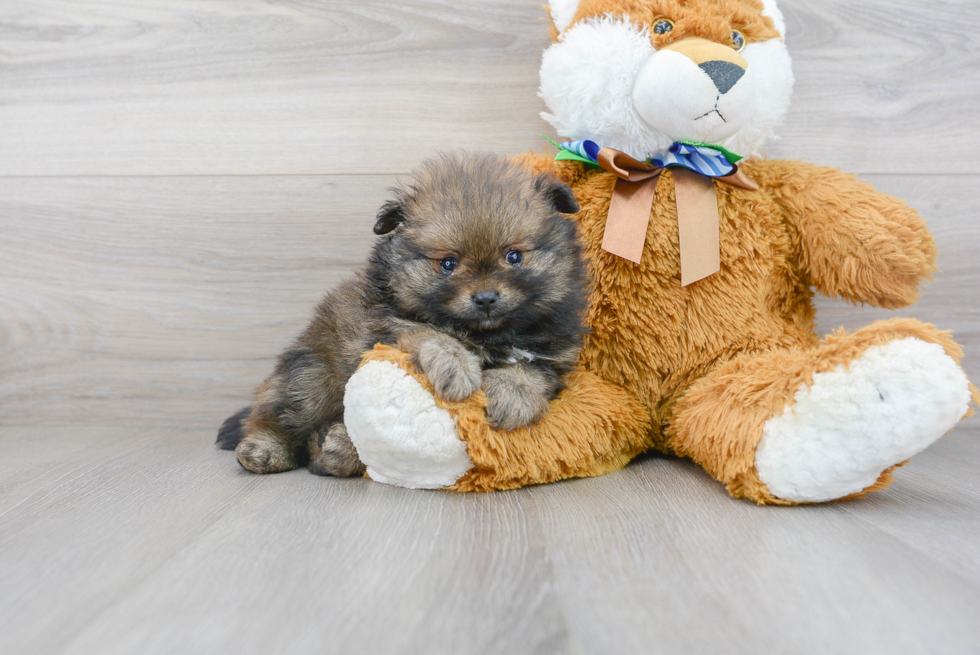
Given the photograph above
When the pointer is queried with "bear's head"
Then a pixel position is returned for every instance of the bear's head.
(640, 75)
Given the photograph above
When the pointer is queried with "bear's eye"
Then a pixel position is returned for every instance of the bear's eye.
(514, 258)
(449, 264)
(738, 40)
(663, 26)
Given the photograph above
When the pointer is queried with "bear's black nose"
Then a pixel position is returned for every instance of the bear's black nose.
(724, 74)
(485, 300)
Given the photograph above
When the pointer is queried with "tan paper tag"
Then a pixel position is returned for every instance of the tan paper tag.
(629, 215)
(698, 225)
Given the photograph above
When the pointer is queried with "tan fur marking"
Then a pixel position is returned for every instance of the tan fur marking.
(701, 50)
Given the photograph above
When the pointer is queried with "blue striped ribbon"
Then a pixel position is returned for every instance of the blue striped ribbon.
(700, 159)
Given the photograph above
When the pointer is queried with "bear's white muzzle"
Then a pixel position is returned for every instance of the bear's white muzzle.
(695, 90)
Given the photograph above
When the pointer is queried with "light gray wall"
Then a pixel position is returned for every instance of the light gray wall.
(180, 181)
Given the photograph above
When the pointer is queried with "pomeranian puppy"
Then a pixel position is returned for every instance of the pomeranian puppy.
(478, 275)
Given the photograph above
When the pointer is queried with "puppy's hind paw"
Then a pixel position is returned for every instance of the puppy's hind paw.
(335, 455)
(264, 456)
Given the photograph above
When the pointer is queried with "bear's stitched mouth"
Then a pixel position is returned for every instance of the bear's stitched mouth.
(713, 111)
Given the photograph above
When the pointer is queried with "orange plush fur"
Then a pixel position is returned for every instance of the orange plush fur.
(712, 21)
(710, 363)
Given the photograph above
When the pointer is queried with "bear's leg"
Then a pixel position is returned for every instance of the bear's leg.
(807, 426)
(410, 437)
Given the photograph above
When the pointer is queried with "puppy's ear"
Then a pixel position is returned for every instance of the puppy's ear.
(559, 195)
(391, 215)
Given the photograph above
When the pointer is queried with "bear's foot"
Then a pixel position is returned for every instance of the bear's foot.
(400, 433)
(810, 425)
(852, 423)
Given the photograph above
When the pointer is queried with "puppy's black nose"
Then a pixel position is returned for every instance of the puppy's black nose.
(724, 74)
(485, 300)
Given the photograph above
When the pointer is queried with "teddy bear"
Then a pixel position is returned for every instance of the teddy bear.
(704, 259)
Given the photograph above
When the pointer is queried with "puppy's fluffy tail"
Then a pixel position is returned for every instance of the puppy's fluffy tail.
(232, 430)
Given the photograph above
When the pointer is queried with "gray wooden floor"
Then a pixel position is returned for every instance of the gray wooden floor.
(122, 540)
(180, 181)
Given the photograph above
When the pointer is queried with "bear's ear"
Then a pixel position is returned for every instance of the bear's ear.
(559, 195)
(770, 9)
(562, 13)
(390, 216)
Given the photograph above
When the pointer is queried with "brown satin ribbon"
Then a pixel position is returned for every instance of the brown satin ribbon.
(697, 212)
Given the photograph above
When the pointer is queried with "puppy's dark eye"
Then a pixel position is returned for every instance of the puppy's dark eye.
(663, 26)
(514, 258)
(448, 265)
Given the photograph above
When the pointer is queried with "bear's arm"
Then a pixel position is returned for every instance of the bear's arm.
(851, 240)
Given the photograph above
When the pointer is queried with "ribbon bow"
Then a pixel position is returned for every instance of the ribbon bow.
(695, 167)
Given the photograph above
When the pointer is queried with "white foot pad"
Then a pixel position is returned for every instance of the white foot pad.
(400, 433)
(851, 424)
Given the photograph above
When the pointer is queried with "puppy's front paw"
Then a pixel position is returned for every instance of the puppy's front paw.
(453, 370)
(513, 401)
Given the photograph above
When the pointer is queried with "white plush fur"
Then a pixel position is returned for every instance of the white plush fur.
(562, 12)
(771, 71)
(604, 81)
(675, 97)
(587, 82)
(852, 423)
(400, 433)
